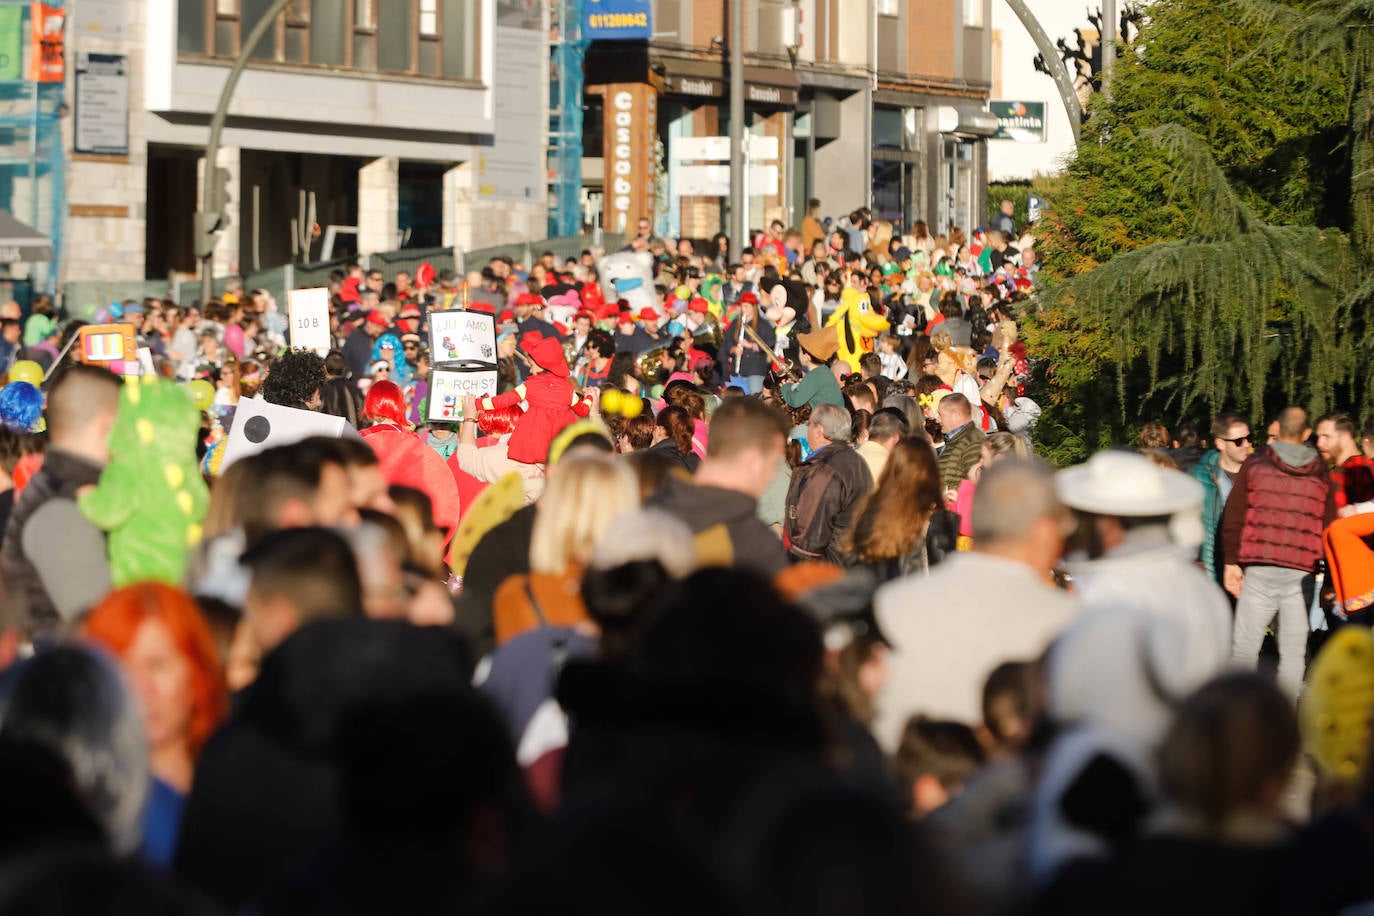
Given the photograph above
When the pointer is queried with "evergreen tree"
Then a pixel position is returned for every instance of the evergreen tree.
(1194, 250)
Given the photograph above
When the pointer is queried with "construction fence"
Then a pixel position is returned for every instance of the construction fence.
(82, 299)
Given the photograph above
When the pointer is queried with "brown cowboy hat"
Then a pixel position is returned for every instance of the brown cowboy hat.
(821, 344)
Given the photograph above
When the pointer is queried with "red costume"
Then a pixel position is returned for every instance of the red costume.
(551, 401)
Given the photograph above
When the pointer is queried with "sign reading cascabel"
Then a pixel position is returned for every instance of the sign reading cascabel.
(631, 116)
(617, 20)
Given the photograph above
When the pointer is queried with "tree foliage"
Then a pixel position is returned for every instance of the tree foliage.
(1194, 250)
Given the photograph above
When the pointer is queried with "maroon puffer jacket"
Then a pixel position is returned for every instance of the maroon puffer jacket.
(1276, 512)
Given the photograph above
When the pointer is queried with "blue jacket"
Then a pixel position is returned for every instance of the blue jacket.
(1206, 472)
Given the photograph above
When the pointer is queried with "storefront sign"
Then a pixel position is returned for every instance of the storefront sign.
(1023, 122)
(48, 62)
(102, 104)
(631, 114)
(617, 20)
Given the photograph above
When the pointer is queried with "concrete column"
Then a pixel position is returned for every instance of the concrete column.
(379, 201)
(226, 262)
(458, 193)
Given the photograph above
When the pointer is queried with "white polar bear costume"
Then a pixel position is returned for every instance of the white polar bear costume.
(630, 274)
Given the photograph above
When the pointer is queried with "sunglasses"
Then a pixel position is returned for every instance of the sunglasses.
(1239, 440)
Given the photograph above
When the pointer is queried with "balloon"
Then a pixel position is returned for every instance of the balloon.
(202, 392)
(610, 401)
(26, 370)
(631, 406)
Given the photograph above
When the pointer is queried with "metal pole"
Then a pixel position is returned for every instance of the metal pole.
(739, 205)
(1068, 93)
(1108, 39)
(210, 202)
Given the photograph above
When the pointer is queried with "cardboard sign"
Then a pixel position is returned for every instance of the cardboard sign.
(259, 426)
(309, 316)
(459, 336)
(448, 387)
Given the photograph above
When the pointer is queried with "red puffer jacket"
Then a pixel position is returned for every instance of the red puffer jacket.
(1276, 512)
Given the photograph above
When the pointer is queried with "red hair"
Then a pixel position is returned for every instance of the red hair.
(499, 420)
(114, 623)
(386, 401)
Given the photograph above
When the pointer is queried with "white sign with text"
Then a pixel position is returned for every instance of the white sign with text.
(458, 336)
(448, 387)
(309, 314)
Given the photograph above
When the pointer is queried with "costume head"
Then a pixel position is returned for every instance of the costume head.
(631, 275)
(858, 326)
(21, 407)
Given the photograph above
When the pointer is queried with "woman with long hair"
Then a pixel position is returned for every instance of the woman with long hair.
(879, 244)
(166, 650)
(582, 497)
(672, 437)
(902, 526)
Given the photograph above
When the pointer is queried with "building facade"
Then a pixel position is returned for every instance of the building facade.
(877, 103)
(369, 124)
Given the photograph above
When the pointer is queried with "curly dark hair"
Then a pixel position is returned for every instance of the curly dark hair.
(294, 379)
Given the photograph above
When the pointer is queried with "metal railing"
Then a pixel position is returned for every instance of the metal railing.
(82, 298)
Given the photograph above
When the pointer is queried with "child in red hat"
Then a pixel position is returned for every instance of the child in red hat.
(551, 400)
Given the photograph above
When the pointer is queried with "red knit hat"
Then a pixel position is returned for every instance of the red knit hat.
(505, 316)
(533, 299)
(749, 298)
(546, 352)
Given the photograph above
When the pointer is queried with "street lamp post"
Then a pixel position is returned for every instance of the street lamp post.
(209, 222)
(1068, 93)
(739, 205)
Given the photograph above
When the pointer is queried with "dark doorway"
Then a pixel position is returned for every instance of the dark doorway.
(173, 198)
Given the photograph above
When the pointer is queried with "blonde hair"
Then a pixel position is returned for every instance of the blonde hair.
(878, 244)
(582, 497)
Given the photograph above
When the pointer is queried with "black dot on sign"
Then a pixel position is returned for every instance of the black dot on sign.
(257, 429)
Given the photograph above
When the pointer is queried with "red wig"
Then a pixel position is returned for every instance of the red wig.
(114, 623)
(386, 402)
(499, 420)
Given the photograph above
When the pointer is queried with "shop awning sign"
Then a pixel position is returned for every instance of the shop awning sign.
(1023, 122)
(617, 20)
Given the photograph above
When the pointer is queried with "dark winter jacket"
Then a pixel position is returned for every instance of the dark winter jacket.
(961, 452)
(1281, 502)
(751, 362)
(61, 548)
(726, 526)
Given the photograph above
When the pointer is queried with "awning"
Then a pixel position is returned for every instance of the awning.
(711, 80)
(968, 122)
(19, 242)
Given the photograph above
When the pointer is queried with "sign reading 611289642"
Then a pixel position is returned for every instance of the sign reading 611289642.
(612, 20)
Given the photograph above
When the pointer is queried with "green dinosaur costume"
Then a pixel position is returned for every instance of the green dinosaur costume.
(151, 497)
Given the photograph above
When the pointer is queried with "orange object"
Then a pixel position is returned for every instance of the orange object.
(48, 62)
(1350, 562)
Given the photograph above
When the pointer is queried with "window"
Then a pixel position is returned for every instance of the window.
(434, 38)
(973, 13)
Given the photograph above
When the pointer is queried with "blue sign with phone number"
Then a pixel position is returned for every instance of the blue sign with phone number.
(617, 20)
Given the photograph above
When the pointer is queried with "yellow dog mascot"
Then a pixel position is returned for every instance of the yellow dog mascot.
(858, 325)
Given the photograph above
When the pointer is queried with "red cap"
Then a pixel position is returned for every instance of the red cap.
(376, 317)
(533, 299)
(482, 307)
(749, 298)
(648, 315)
(584, 313)
(506, 315)
(424, 274)
(699, 304)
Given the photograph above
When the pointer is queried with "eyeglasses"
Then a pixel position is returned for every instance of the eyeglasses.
(1239, 440)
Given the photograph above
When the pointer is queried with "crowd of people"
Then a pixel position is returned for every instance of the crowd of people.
(742, 592)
